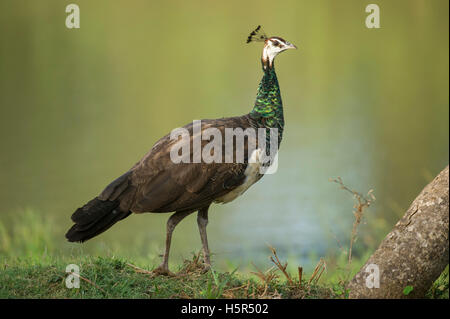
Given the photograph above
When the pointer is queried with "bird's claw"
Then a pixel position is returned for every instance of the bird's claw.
(162, 271)
(206, 267)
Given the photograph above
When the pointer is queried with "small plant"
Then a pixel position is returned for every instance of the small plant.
(277, 262)
(318, 270)
(215, 293)
(440, 288)
(361, 203)
(340, 291)
(267, 277)
(408, 290)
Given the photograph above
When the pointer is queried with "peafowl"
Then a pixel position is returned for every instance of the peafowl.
(158, 184)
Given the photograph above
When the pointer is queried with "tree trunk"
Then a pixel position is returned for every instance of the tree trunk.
(414, 253)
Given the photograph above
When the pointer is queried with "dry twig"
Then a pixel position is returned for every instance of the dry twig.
(320, 267)
(139, 270)
(88, 281)
(280, 266)
(361, 202)
(300, 273)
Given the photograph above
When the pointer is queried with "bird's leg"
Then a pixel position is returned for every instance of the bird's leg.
(173, 221)
(202, 221)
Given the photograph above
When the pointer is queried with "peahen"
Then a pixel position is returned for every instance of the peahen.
(158, 184)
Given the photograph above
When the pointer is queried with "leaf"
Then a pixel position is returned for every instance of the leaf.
(408, 290)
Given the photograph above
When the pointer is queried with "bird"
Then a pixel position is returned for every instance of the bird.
(158, 184)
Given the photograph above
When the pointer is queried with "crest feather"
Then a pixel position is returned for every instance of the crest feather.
(257, 35)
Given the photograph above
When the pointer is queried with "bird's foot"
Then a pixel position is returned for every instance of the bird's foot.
(162, 270)
(206, 267)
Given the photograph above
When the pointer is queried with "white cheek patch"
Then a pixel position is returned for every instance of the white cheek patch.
(270, 52)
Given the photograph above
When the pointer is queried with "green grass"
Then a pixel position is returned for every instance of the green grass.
(115, 278)
(33, 266)
(439, 289)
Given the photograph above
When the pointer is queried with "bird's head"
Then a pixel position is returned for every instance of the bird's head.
(272, 46)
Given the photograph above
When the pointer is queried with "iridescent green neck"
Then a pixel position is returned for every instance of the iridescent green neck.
(268, 109)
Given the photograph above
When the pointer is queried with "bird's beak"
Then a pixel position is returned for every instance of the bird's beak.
(291, 46)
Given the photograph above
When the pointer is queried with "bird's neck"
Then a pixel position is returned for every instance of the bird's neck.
(268, 109)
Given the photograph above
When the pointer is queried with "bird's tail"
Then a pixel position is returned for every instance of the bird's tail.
(94, 218)
(103, 211)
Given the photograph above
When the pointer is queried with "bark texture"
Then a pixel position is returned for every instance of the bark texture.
(415, 252)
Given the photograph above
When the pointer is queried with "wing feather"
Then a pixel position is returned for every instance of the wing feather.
(163, 186)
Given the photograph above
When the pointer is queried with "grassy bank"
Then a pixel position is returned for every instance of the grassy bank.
(32, 265)
(117, 278)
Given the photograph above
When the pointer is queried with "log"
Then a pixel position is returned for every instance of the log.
(414, 253)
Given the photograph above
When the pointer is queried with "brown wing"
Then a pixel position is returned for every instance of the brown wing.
(157, 184)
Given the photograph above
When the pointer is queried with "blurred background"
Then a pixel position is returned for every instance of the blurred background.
(78, 107)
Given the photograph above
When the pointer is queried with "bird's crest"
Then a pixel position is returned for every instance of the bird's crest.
(257, 35)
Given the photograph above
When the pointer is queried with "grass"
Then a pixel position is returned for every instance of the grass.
(117, 278)
(113, 277)
(32, 266)
(439, 289)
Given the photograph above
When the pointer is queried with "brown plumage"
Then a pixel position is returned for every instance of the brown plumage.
(156, 184)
